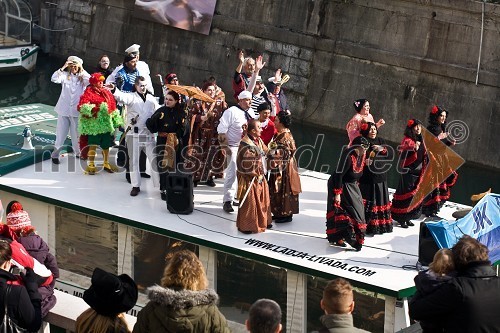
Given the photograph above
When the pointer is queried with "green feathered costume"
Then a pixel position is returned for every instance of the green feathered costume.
(98, 112)
(98, 117)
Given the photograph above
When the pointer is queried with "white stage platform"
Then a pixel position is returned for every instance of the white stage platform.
(385, 264)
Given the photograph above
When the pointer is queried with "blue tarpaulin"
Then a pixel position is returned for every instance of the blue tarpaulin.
(481, 223)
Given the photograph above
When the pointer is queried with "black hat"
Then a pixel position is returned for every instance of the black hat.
(358, 104)
(110, 294)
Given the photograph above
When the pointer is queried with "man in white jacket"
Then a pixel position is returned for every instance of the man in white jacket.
(140, 106)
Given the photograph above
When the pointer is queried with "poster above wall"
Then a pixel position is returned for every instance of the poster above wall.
(192, 15)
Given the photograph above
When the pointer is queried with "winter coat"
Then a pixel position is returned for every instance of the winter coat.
(426, 283)
(39, 250)
(469, 303)
(23, 304)
(180, 311)
(339, 323)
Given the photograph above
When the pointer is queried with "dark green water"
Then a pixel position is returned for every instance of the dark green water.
(325, 145)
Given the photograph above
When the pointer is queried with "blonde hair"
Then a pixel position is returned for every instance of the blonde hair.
(337, 296)
(184, 270)
(92, 322)
(442, 263)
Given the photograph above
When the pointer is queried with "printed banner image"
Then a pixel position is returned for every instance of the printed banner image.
(192, 15)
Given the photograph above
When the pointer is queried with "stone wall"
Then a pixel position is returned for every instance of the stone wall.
(402, 55)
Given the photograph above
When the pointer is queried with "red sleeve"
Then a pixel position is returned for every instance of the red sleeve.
(408, 147)
(268, 133)
(238, 87)
(407, 144)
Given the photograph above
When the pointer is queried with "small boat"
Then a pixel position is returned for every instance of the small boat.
(17, 53)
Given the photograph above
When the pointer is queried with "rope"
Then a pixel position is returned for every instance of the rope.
(56, 30)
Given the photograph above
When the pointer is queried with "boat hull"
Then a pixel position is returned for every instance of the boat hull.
(18, 59)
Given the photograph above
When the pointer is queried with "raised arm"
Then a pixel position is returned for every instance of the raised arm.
(259, 64)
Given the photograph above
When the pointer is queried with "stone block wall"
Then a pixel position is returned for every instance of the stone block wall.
(402, 55)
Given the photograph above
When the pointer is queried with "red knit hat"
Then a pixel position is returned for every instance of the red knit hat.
(18, 218)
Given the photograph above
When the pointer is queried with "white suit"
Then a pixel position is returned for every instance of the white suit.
(73, 86)
(139, 138)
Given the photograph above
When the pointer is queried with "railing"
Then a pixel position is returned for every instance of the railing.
(69, 307)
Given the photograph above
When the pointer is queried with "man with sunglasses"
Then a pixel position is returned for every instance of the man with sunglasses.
(140, 106)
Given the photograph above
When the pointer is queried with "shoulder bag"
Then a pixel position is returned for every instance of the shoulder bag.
(7, 325)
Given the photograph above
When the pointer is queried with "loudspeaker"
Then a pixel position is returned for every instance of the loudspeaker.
(427, 247)
(180, 197)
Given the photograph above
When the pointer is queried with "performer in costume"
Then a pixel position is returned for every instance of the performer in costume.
(345, 217)
(413, 161)
(230, 130)
(284, 179)
(103, 68)
(268, 126)
(373, 183)
(436, 199)
(254, 213)
(141, 105)
(205, 158)
(168, 121)
(363, 115)
(73, 79)
(98, 120)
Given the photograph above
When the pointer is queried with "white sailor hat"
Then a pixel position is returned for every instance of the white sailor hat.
(75, 59)
(245, 94)
(133, 49)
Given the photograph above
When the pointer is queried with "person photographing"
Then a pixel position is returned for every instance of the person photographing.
(23, 302)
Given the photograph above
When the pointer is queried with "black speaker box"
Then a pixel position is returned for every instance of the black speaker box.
(427, 247)
(180, 197)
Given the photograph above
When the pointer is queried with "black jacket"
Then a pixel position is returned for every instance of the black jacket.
(469, 303)
(24, 303)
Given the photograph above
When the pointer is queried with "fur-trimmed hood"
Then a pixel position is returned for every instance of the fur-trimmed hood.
(182, 299)
(181, 311)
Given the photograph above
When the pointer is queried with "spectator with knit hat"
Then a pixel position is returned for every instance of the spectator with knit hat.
(19, 222)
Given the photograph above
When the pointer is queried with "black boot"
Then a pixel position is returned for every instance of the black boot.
(355, 244)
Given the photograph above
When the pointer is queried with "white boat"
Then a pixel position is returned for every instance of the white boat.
(91, 221)
(17, 52)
